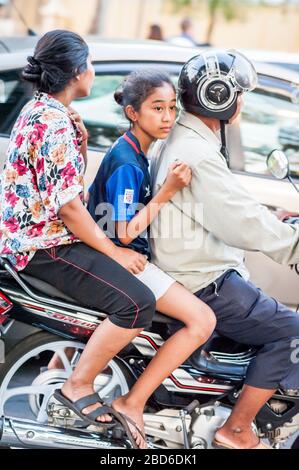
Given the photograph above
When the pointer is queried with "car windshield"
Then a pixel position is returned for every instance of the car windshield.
(269, 119)
(102, 116)
(269, 122)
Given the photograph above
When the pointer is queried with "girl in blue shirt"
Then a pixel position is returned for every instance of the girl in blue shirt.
(120, 202)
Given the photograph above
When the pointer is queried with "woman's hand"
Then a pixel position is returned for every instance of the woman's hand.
(79, 222)
(77, 120)
(282, 214)
(179, 176)
(130, 260)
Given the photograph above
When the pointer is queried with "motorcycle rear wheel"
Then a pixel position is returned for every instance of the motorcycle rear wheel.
(27, 385)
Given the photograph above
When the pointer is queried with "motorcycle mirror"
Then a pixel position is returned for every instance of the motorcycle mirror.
(278, 164)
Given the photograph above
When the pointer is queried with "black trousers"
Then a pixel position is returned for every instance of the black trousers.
(249, 316)
(95, 281)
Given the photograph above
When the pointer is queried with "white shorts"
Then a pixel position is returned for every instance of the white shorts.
(155, 279)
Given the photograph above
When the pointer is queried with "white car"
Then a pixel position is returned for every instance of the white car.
(288, 60)
(268, 111)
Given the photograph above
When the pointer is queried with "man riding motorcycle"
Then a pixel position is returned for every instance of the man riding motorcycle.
(216, 291)
(217, 219)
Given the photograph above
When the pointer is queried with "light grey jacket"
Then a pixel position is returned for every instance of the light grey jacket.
(204, 230)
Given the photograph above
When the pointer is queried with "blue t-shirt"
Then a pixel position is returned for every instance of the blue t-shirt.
(121, 188)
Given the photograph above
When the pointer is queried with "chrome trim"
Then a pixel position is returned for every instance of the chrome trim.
(44, 303)
(230, 358)
(36, 297)
(186, 380)
(29, 434)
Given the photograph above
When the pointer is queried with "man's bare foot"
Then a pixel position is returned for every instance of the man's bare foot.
(56, 362)
(75, 393)
(122, 405)
(237, 437)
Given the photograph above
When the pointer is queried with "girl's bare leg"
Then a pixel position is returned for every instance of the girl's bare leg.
(199, 322)
(107, 340)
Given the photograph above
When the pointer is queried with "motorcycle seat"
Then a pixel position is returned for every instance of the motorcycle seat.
(45, 288)
(51, 291)
(210, 366)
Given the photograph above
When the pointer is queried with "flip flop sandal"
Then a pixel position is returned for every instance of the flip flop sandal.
(124, 420)
(78, 406)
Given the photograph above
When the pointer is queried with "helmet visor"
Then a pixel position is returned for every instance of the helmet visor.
(242, 73)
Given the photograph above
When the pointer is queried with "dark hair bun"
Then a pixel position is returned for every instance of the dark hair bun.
(119, 96)
(59, 56)
(32, 71)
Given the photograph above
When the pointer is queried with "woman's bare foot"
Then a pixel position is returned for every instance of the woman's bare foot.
(239, 438)
(75, 393)
(123, 405)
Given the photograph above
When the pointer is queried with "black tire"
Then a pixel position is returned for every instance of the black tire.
(23, 348)
(44, 338)
(15, 360)
(295, 444)
(34, 344)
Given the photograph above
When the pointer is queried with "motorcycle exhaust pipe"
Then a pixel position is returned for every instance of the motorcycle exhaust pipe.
(29, 434)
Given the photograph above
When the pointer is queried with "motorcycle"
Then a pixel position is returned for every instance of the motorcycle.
(183, 413)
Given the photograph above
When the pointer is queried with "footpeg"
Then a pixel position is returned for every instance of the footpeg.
(191, 407)
(60, 415)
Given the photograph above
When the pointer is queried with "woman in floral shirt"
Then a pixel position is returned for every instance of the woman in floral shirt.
(47, 231)
(33, 191)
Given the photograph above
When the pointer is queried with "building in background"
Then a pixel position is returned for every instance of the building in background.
(43, 15)
(235, 23)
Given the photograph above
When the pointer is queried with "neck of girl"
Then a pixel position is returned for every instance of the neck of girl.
(144, 139)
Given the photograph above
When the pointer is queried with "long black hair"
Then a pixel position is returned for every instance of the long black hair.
(58, 57)
(138, 86)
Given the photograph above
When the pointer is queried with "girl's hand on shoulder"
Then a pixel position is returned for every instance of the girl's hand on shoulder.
(179, 176)
(130, 260)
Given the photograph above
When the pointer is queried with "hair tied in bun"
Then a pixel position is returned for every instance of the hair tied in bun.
(119, 95)
(35, 65)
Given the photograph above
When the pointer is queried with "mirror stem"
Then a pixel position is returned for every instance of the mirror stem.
(291, 181)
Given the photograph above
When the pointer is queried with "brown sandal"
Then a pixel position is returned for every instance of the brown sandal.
(124, 420)
(79, 405)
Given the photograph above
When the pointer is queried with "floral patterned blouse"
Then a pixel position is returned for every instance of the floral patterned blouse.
(43, 171)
